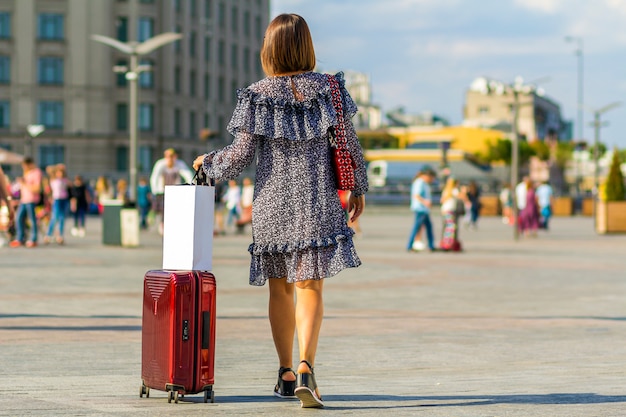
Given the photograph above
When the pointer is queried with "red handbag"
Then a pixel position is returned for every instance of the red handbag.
(343, 164)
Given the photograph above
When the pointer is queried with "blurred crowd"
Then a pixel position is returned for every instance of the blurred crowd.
(37, 206)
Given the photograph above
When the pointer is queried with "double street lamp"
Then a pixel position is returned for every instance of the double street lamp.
(597, 124)
(135, 50)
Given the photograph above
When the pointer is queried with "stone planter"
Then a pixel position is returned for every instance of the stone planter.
(611, 217)
(489, 205)
(563, 206)
(587, 207)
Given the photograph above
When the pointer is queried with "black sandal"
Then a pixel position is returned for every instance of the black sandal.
(306, 389)
(284, 389)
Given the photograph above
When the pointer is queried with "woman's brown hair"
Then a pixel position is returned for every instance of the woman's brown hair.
(287, 46)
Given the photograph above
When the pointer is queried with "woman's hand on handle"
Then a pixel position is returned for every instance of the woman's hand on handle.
(197, 163)
(356, 206)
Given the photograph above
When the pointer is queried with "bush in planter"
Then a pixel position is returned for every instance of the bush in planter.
(614, 188)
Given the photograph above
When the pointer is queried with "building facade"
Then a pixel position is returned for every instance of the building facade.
(490, 104)
(359, 86)
(52, 73)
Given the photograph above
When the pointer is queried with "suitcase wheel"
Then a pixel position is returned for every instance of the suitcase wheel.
(144, 390)
(172, 395)
(209, 395)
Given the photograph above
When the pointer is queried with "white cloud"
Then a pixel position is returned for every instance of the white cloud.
(543, 6)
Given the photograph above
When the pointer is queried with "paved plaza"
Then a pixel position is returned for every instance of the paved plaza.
(535, 327)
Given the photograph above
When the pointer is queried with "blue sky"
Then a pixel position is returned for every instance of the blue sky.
(423, 54)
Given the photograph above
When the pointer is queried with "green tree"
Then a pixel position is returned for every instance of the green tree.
(502, 150)
(541, 149)
(377, 140)
(615, 181)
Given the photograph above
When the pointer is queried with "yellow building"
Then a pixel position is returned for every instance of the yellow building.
(460, 138)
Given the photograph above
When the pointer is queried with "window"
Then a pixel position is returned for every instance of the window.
(5, 25)
(192, 83)
(482, 110)
(207, 49)
(193, 131)
(121, 158)
(221, 58)
(221, 15)
(220, 89)
(208, 9)
(146, 117)
(50, 114)
(192, 44)
(51, 155)
(193, 6)
(121, 77)
(207, 86)
(235, 20)
(178, 7)
(146, 1)
(5, 70)
(177, 126)
(146, 78)
(246, 60)
(178, 44)
(121, 113)
(50, 70)
(246, 23)
(145, 158)
(258, 28)
(233, 89)
(145, 29)
(5, 114)
(177, 80)
(122, 29)
(50, 26)
(234, 55)
(207, 120)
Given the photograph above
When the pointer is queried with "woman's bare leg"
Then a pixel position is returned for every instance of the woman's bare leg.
(282, 322)
(309, 314)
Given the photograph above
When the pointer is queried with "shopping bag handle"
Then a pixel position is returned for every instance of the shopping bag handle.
(200, 178)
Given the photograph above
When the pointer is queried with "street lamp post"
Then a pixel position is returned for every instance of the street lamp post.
(597, 124)
(135, 50)
(580, 122)
(33, 131)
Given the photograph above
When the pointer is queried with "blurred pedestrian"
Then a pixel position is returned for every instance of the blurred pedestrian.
(473, 195)
(144, 201)
(247, 197)
(79, 204)
(121, 191)
(529, 215)
(30, 195)
(421, 202)
(103, 192)
(544, 199)
(60, 189)
(7, 213)
(451, 208)
(506, 202)
(168, 170)
(232, 200)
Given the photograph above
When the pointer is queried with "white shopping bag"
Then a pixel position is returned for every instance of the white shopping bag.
(188, 227)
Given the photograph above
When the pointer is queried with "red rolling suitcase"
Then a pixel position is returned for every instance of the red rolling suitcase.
(178, 333)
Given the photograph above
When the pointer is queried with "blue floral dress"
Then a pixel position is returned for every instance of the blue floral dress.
(299, 229)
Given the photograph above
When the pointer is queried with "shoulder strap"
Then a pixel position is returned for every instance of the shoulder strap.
(339, 129)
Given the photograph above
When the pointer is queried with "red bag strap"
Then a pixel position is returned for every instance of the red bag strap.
(340, 141)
